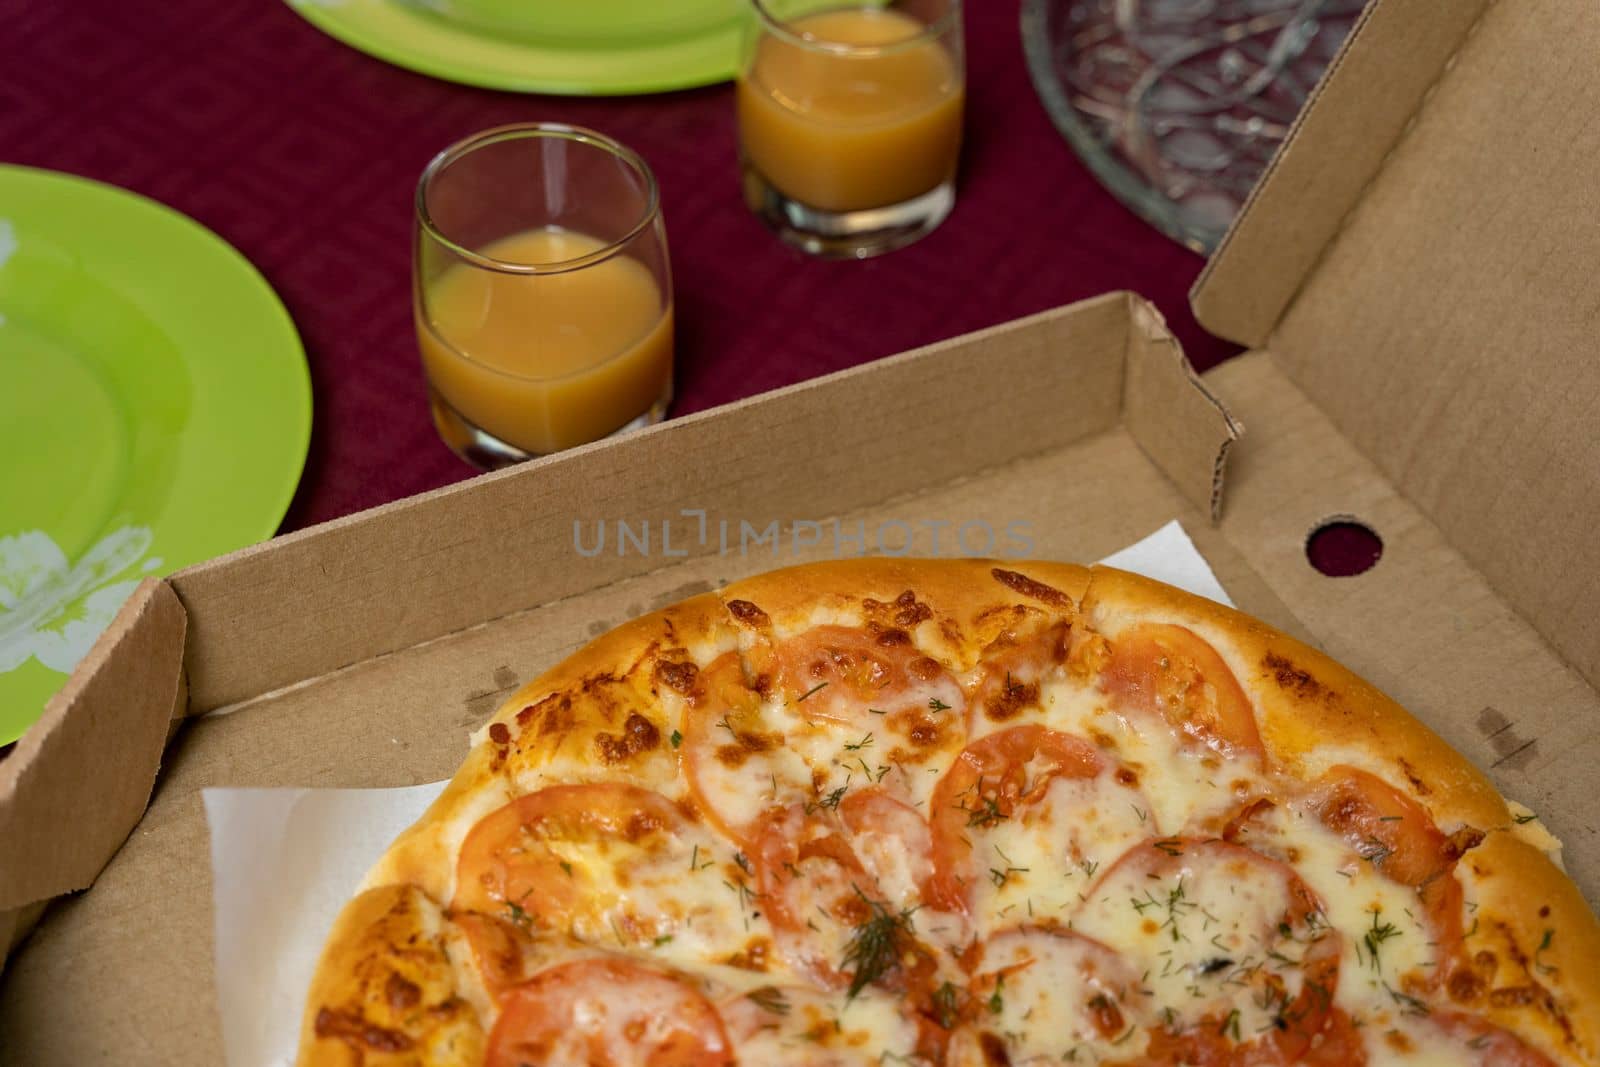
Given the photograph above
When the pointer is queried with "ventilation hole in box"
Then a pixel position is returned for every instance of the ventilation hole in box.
(1343, 547)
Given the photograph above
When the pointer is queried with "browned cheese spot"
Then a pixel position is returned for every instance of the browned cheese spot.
(359, 1034)
(1464, 986)
(749, 614)
(401, 994)
(1031, 588)
(1462, 841)
(1514, 996)
(747, 744)
(1291, 678)
(1106, 1015)
(994, 1051)
(923, 730)
(1397, 1041)
(679, 677)
(1103, 740)
(641, 824)
(908, 611)
(1415, 779)
(638, 735)
(554, 713)
(753, 957)
(1014, 696)
(888, 636)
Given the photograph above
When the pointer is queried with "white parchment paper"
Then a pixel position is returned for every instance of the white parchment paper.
(1169, 556)
(284, 861)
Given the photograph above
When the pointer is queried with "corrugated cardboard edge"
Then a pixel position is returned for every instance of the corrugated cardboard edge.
(501, 543)
(111, 722)
(1175, 418)
(1359, 113)
(80, 778)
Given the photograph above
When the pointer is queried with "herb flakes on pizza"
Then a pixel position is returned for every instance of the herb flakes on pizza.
(957, 812)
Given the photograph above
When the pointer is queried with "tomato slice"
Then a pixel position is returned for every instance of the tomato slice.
(607, 1013)
(1385, 827)
(891, 841)
(1393, 833)
(820, 897)
(814, 888)
(525, 862)
(1158, 668)
(992, 780)
(1248, 961)
(837, 673)
(1054, 991)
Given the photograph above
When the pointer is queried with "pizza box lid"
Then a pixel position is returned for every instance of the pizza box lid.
(361, 652)
(1420, 260)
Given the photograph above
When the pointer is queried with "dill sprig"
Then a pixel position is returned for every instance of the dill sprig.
(876, 945)
(771, 998)
(947, 1005)
(1377, 935)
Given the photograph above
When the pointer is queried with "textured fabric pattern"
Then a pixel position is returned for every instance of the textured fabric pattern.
(304, 154)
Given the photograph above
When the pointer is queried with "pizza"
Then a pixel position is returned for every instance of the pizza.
(959, 812)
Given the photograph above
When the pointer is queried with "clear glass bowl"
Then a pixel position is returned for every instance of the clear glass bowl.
(1178, 105)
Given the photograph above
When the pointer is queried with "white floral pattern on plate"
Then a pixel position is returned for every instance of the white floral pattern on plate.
(51, 610)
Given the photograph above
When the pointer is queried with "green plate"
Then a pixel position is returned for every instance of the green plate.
(573, 47)
(154, 412)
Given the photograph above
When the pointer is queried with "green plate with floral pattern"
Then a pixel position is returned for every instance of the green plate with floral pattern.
(154, 412)
(572, 47)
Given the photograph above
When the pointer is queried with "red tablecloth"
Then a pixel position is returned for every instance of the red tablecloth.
(304, 154)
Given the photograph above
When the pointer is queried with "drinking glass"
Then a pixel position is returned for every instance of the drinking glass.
(850, 120)
(541, 291)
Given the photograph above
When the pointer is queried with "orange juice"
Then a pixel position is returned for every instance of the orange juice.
(853, 130)
(547, 361)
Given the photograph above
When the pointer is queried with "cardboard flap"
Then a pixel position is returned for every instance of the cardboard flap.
(1178, 422)
(1448, 327)
(98, 743)
(426, 567)
(434, 564)
(1395, 54)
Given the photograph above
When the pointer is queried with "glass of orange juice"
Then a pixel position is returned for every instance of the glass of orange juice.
(850, 120)
(541, 290)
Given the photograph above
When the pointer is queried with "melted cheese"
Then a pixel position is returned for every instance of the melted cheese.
(1188, 786)
(1208, 927)
(1037, 865)
(1387, 945)
(1188, 939)
(1050, 996)
(790, 1023)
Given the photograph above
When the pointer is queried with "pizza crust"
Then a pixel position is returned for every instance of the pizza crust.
(1518, 897)
(1309, 705)
(1313, 713)
(614, 707)
(385, 990)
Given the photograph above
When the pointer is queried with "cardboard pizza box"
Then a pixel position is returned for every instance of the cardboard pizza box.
(1414, 277)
